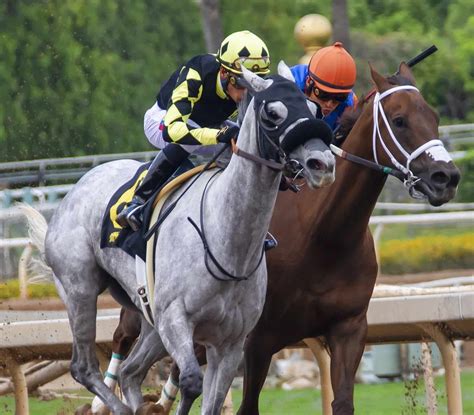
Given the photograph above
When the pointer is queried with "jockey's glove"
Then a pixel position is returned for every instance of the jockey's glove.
(227, 133)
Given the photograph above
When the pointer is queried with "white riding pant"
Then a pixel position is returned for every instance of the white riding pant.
(152, 123)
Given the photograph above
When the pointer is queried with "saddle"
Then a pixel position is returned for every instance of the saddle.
(134, 243)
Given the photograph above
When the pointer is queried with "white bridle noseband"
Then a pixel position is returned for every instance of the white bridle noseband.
(411, 179)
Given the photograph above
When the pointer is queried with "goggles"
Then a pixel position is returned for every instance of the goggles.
(329, 96)
(258, 65)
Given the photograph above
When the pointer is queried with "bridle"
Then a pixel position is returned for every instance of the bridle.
(271, 154)
(410, 179)
(288, 165)
(400, 171)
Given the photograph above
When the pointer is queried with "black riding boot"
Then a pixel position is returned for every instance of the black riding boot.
(160, 170)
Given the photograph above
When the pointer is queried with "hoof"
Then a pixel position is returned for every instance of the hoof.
(103, 410)
(151, 397)
(83, 410)
(149, 408)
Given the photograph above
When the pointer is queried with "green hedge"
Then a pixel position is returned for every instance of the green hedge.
(11, 289)
(427, 253)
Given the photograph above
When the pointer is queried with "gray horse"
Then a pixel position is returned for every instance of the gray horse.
(210, 270)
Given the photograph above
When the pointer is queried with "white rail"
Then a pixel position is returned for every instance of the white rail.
(445, 217)
(416, 207)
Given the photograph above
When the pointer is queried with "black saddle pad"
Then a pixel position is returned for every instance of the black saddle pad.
(112, 234)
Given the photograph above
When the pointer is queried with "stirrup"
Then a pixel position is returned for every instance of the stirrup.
(270, 242)
(134, 218)
(131, 216)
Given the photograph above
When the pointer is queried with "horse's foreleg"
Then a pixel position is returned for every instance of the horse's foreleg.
(177, 335)
(171, 387)
(346, 341)
(257, 358)
(124, 336)
(148, 350)
(222, 366)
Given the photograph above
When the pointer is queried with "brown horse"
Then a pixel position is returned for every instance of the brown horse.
(321, 277)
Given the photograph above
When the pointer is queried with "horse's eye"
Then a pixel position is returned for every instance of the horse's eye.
(272, 114)
(399, 122)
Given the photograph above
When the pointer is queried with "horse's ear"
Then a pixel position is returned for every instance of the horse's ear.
(253, 82)
(285, 71)
(405, 71)
(380, 82)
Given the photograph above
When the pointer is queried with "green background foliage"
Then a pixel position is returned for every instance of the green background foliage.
(76, 76)
(466, 188)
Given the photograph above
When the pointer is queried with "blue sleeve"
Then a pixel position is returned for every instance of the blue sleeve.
(300, 73)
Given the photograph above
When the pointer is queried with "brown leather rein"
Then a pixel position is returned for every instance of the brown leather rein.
(268, 163)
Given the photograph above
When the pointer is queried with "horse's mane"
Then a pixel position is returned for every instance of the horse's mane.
(348, 119)
(351, 115)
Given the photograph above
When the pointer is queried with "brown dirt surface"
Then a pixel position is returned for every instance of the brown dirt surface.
(422, 277)
(104, 301)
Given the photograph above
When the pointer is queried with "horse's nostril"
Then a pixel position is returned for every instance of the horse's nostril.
(315, 164)
(440, 178)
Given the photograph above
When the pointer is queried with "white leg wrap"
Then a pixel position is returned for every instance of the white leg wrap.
(168, 395)
(110, 379)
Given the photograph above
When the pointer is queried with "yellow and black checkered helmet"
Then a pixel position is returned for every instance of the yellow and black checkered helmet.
(244, 48)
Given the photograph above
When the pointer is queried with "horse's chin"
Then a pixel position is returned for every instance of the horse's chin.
(436, 197)
(320, 179)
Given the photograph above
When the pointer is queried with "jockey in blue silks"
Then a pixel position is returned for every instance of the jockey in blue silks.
(328, 81)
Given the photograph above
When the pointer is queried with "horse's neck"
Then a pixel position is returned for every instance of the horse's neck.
(349, 202)
(242, 198)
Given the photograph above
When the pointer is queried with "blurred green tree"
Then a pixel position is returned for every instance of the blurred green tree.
(77, 75)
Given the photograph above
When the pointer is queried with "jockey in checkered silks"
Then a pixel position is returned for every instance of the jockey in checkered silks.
(190, 108)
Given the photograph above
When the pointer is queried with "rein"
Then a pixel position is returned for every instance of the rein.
(273, 165)
(209, 256)
(170, 208)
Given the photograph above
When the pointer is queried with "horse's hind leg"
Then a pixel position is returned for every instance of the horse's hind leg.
(148, 349)
(124, 336)
(82, 281)
(177, 335)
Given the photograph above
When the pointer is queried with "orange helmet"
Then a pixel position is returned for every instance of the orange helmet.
(332, 69)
